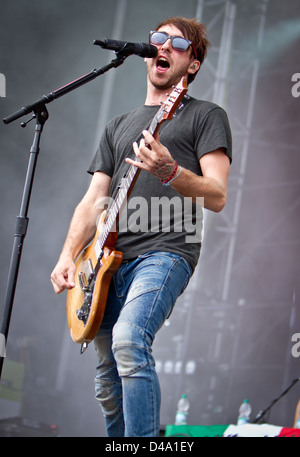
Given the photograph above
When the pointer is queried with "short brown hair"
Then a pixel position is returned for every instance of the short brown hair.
(195, 32)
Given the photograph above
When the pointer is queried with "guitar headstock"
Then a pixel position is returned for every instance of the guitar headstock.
(169, 106)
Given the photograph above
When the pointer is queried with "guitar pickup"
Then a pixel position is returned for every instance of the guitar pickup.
(83, 282)
(88, 270)
(85, 277)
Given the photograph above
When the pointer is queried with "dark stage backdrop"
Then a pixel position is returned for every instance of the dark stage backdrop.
(231, 334)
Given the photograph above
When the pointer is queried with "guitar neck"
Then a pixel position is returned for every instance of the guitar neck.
(123, 192)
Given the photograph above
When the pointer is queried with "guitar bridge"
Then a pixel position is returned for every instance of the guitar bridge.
(85, 279)
(83, 312)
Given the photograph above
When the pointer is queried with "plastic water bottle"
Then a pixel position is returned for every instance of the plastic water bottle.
(183, 407)
(297, 416)
(244, 413)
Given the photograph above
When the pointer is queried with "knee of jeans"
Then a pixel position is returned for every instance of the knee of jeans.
(109, 396)
(130, 349)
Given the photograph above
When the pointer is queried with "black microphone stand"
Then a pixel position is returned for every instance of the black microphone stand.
(41, 115)
(260, 417)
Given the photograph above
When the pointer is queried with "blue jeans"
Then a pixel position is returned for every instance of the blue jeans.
(141, 297)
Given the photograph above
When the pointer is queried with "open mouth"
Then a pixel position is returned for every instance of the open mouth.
(162, 64)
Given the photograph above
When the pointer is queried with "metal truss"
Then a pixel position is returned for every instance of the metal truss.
(226, 72)
(220, 17)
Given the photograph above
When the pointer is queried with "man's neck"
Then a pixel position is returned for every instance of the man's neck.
(156, 96)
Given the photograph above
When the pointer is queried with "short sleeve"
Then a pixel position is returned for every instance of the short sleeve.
(103, 159)
(214, 133)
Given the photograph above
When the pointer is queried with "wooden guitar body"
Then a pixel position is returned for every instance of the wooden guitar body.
(92, 280)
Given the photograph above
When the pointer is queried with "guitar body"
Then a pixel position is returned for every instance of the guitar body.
(84, 331)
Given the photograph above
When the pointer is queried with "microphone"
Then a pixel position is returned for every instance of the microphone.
(139, 49)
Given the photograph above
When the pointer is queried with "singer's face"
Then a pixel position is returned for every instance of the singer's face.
(168, 67)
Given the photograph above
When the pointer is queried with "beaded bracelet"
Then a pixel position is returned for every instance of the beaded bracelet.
(172, 179)
(174, 176)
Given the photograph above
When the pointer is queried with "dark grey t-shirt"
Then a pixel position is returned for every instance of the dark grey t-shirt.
(157, 217)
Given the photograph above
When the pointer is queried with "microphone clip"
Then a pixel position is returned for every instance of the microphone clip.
(125, 51)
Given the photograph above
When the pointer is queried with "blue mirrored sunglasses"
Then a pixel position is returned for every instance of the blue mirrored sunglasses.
(178, 43)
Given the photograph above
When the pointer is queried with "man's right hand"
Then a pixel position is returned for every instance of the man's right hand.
(62, 277)
(81, 231)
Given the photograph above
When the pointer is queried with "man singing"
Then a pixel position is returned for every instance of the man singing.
(189, 159)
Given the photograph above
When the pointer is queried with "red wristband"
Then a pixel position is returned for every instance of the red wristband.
(172, 175)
